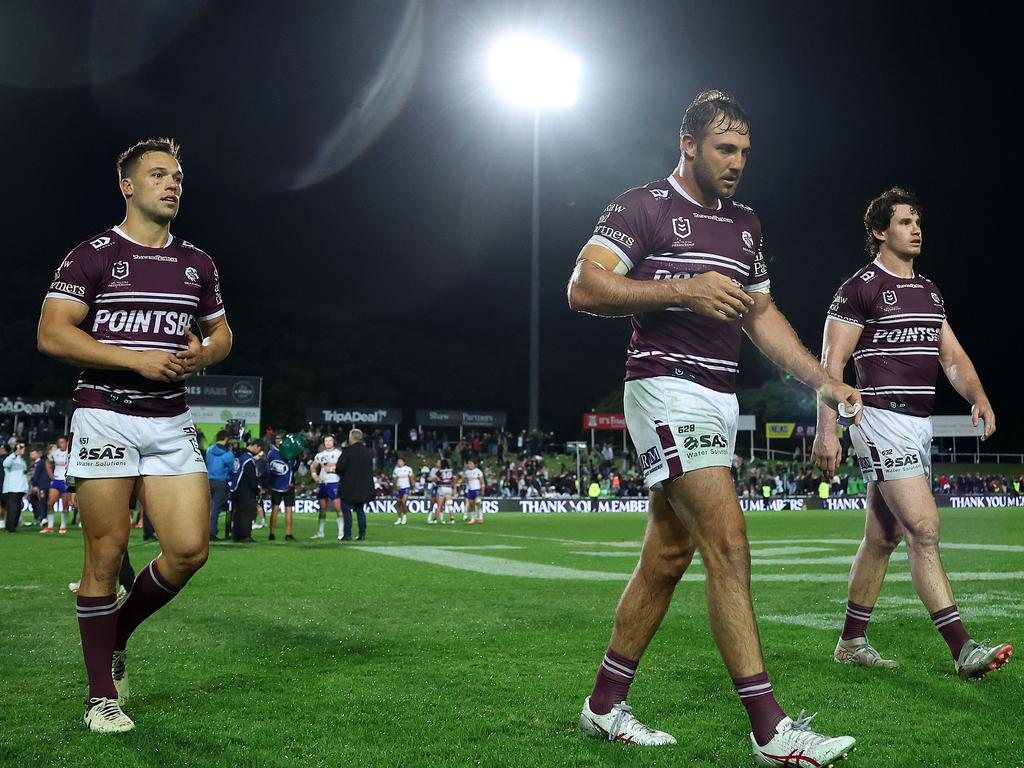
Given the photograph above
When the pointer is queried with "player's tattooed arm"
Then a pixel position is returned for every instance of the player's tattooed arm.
(598, 287)
(838, 343)
(768, 328)
(59, 336)
(962, 375)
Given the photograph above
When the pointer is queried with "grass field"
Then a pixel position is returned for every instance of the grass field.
(459, 646)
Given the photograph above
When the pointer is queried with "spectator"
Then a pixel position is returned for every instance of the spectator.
(15, 485)
(219, 464)
(356, 472)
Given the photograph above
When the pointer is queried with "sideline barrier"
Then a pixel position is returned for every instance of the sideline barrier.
(492, 505)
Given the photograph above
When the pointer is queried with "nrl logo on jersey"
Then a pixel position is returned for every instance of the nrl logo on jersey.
(681, 227)
(120, 270)
(889, 297)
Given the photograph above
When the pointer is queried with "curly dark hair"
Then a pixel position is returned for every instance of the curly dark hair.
(879, 214)
(710, 108)
(130, 157)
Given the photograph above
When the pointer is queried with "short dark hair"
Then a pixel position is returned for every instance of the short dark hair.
(710, 108)
(879, 214)
(222, 434)
(130, 157)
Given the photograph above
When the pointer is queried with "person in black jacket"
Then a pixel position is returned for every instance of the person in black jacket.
(355, 469)
(245, 484)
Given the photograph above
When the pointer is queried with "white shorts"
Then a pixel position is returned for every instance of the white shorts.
(891, 446)
(444, 490)
(678, 426)
(108, 444)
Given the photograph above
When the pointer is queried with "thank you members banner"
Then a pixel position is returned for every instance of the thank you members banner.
(608, 421)
(379, 415)
(427, 417)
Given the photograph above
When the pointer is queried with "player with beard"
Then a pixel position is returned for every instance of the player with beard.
(685, 260)
(892, 320)
(121, 307)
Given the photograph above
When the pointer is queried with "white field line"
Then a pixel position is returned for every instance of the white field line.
(19, 587)
(834, 621)
(499, 566)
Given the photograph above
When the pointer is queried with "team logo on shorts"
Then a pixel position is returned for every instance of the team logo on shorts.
(192, 274)
(748, 239)
(681, 227)
(120, 270)
(650, 459)
(889, 297)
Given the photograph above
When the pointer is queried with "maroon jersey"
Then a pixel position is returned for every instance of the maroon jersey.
(660, 233)
(445, 477)
(139, 298)
(897, 355)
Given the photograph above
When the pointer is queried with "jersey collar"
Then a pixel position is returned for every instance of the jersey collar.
(130, 239)
(878, 263)
(679, 188)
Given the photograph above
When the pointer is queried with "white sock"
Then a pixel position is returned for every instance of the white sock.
(322, 521)
(49, 519)
(63, 519)
(341, 529)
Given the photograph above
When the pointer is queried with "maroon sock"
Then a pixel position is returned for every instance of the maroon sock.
(947, 621)
(97, 624)
(762, 709)
(149, 594)
(857, 618)
(612, 683)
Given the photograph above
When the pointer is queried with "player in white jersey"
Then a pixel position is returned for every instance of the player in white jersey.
(59, 489)
(892, 321)
(404, 476)
(473, 477)
(324, 475)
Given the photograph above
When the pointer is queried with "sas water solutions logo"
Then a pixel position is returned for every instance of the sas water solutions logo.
(107, 455)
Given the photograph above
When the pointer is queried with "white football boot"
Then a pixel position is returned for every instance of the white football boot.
(858, 651)
(797, 746)
(620, 725)
(106, 716)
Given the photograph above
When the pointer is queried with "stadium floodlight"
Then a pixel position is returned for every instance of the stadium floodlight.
(535, 74)
(532, 73)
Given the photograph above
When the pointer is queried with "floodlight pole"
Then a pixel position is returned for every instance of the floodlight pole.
(534, 419)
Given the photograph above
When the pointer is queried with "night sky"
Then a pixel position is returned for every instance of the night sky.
(367, 197)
